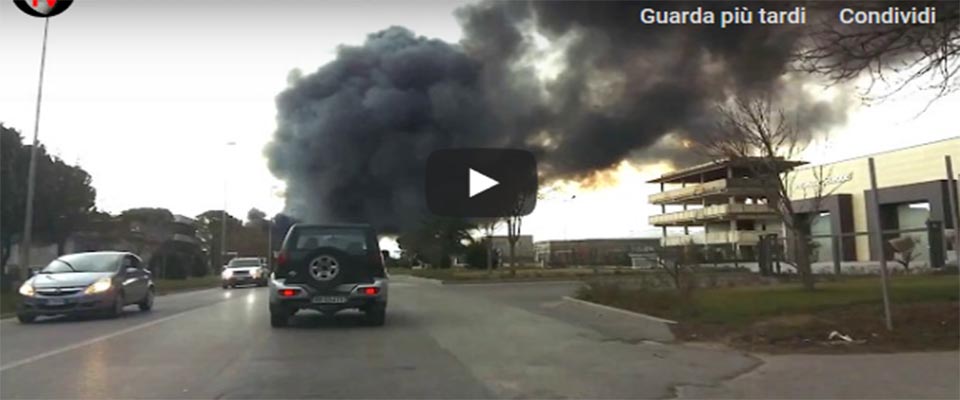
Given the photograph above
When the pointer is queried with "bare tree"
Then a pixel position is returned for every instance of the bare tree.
(895, 54)
(755, 130)
(905, 248)
(487, 228)
(678, 263)
(514, 223)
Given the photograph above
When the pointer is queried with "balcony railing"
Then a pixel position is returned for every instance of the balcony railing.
(710, 213)
(720, 186)
(727, 237)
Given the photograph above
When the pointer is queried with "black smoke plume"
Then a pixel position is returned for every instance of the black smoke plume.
(353, 137)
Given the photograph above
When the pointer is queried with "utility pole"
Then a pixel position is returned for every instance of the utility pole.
(490, 248)
(878, 235)
(270, 222)
(270, 243)
(27, 241)
(223, 226)
(223, 234)
(223, 213)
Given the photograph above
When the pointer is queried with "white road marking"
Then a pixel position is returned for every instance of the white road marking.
(74, 346)
(11, 320)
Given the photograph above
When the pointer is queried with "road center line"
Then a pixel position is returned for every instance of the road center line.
(95, 340)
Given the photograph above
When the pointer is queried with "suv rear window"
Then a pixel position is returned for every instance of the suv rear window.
(350, 240)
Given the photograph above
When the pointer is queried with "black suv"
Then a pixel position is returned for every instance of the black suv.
(329, 268)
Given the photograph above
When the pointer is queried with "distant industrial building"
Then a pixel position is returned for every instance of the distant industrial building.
(524, 248)
(914, 201)
(596, 252)
(719, 205)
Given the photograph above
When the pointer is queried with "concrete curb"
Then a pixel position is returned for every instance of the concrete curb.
(417, 279)
(619, 310)
(507, 282)
(441, 282)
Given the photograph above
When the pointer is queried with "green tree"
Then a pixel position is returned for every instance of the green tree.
(63, 201)
(436, 239)
(147, 216)
(209, 231)
(14, 158)
(477, 254)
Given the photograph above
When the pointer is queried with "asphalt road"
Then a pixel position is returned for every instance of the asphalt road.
(462, 341)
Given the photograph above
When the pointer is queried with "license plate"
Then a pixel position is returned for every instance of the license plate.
(329, 300)
(56, 302)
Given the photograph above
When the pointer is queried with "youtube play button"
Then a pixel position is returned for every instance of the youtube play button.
(481, 182)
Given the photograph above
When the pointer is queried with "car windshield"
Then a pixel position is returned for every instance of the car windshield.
(244, 263)
(92, 262)
(353, 241)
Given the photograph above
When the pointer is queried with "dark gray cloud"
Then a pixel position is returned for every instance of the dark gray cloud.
(353, 136)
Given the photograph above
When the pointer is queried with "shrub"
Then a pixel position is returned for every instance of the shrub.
(199, 267)
(476, 255)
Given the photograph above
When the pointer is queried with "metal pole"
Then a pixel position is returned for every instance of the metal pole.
(490, 251)
(878, 232)
(223, 213)
(223, 225)
(954, 206)
(269, 243)
(27, 241)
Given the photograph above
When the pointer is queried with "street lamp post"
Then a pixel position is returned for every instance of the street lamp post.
(273, 192)
(26, 243)
(223, 213)
(270, 243)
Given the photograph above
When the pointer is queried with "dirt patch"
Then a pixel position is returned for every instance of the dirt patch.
(917, 327)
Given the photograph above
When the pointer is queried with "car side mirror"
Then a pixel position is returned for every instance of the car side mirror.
(33, 271)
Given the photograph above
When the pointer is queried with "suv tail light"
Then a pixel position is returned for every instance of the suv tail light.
(370, 290)
(281, 259)
(288, 292)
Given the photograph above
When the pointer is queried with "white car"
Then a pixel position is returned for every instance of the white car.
(244, 271)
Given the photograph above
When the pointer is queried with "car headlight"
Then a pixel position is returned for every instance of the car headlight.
(101, 285)
(27, 289)
(226, 274)
(255, 273)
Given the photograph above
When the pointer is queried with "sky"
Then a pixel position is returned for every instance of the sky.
(146, 96)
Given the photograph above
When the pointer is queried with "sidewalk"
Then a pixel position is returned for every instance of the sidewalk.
(860, 376)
